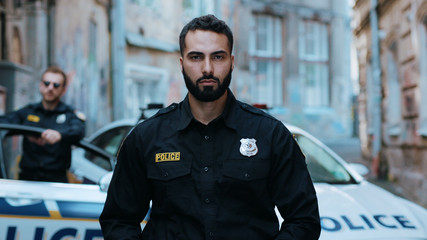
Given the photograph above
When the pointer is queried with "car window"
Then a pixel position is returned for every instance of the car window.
(98, 160)
(323, 167)
(110, 140)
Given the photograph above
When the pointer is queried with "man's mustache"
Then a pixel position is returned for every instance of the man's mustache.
(207, 77)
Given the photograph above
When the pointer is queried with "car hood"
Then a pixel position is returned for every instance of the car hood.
(365, 211)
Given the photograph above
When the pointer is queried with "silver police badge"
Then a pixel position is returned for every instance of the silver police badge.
(248, 147)
(61, 119)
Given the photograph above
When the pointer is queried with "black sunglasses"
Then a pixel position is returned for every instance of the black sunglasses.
(55, 85)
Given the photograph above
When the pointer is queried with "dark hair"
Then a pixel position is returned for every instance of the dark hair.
(208, 23)
(58, 70)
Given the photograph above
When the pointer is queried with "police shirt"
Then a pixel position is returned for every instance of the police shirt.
(56, 157)
(215, 181)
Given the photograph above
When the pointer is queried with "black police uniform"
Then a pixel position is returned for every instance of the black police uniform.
(51, 161)
(215, 181)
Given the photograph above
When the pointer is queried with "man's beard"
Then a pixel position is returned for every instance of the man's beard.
(207, 94)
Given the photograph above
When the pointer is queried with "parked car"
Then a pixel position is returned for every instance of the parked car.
(46, 210)
(88, 169)
(350, 207)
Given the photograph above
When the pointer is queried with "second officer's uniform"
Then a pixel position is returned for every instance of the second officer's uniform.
(48, 162)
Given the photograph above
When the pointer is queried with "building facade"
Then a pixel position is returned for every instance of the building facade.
(392, 90)
(121, 55)
(294, 56)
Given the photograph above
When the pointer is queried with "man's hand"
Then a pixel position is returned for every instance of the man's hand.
(51, 136)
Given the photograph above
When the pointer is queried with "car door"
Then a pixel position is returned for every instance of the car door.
(46, 210)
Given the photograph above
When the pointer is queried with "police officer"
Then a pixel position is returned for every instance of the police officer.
(48, 157)
(212, 167)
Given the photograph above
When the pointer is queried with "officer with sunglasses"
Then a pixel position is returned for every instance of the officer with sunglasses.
(48, 157)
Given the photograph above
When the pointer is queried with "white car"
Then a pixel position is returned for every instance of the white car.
(89, 169)
(350, 207)
(46, 210)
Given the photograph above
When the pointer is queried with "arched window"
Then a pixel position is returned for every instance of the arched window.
(16, 47)
(265, 48)
(394, 93)
(422, 29)
(370, 99)
(314, 63)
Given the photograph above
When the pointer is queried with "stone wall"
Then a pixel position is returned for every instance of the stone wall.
(403, 145)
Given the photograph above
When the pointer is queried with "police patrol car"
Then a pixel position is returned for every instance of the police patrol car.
(43, 210)
(350, 207)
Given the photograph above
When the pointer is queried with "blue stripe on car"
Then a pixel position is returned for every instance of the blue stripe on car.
(80, 209)
(36, 209)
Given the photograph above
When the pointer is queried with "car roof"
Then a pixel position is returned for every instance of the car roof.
(126, 122)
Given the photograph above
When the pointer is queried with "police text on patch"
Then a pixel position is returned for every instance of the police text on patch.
(168, 157)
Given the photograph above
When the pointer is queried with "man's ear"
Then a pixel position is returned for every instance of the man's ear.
(232, 62)
(64, 90)
(181, 62)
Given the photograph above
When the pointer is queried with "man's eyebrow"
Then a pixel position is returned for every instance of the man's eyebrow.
(195, 53)
(219, 52)
(201, 53)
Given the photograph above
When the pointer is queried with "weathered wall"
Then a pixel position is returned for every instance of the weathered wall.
(404, 146)
(81, 40)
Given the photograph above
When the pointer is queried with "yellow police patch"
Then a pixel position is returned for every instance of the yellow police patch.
(33, 118)
(168, 157)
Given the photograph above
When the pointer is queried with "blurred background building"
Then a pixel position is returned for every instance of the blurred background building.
(120, 55)
(391, 42)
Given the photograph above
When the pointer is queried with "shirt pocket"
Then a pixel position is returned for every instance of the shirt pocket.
(245, 176)
(168, 171)
(172, 183)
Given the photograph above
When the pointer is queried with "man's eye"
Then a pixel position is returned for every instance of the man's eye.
(195, 57)
(218, 57)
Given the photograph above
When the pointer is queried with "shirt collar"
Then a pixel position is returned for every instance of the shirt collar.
(228, 115)
(185, 114)
(59, 108)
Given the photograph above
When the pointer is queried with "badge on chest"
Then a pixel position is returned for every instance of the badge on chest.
(248, 147)
(61, 118)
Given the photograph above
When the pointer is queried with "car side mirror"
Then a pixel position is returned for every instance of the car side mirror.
(360, 169)
(104, 182)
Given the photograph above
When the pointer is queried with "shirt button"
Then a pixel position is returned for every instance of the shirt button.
(165, 174)
(205, 169)
(211, 234)
(206, 137)
(207, 201)
(247, 175)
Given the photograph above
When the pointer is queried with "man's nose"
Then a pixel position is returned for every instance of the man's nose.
(207, 67)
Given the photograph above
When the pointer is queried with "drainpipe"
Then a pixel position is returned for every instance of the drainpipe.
(376, 98)
(118, 46)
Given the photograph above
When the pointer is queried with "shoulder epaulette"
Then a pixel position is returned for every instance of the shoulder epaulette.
(80, 115)
(165, 110)
(255, 110)
(251, 108)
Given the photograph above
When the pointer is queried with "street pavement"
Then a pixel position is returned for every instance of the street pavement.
(349, 149)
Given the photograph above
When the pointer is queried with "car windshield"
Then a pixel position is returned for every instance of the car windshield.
(110, 141)
(323, 167)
